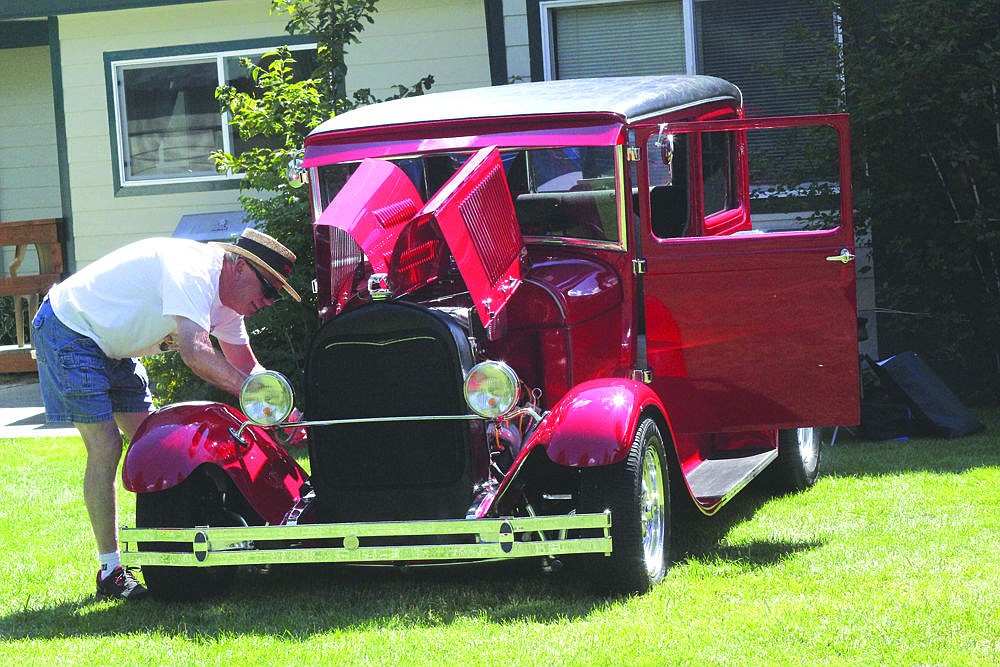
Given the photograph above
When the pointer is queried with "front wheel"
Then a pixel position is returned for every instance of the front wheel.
(195, 502)
(636, 491)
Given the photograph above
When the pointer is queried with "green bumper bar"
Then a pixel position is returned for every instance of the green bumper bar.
(411, 541)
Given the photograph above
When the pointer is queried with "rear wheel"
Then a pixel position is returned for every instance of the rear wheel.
(799, 453)
(636, 491)
(195, 502)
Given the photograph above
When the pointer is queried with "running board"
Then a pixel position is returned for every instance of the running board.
(715, 481)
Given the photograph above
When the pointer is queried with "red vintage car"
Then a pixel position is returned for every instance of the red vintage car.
(550, 311)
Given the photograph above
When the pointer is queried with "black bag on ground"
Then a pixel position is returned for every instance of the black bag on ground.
(886, 417)
(906, 376)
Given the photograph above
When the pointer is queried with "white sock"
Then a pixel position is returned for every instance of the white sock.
(109, 562)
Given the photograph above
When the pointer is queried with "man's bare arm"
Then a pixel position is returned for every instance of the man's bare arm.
(208, 363)
(241, 356)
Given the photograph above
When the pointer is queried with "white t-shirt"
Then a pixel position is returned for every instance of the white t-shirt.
(128, 301)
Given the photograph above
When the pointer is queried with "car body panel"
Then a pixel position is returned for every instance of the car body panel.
(755, 331)
(476, 215)
(473, 211)
(373, 207)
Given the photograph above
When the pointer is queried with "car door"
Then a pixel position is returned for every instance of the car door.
(750, 304)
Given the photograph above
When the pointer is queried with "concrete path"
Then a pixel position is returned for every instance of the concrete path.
(22, 414)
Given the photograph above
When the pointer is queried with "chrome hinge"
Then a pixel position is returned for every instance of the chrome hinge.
(633, 154)
(643, 375)
(639, 266)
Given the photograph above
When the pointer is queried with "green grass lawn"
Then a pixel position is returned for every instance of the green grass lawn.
(892, 559)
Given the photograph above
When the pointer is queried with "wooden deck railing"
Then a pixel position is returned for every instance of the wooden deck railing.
(44, 235)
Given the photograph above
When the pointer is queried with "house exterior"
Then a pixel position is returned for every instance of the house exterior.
(109, 113)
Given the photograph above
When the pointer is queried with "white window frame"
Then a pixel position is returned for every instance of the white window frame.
(120, 125)
(547, 10)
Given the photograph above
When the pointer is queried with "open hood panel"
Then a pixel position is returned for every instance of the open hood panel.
(472, 214)
(374, 205)
(476, 215)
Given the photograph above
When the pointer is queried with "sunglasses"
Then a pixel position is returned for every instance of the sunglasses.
(269, 291)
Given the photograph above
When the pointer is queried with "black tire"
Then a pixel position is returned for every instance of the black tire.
(800, 451)
(195, 502)
(637, 491)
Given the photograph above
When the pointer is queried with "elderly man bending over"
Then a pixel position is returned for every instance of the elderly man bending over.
(144, 298)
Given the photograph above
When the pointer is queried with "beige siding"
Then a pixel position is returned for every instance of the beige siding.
(410, 40)
(407, 41)
(101, 221)
(29, 173)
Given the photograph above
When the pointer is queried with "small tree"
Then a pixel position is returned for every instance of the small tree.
(274, 118)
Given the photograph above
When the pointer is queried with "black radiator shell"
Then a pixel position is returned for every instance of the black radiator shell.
(392, 359)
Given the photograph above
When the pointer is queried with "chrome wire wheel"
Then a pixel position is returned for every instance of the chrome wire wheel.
(800, 453)
(653, 513)
(809, 443)
(637, 492)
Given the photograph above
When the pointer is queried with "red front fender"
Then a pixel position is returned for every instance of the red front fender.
(593, 423)
(174, 441)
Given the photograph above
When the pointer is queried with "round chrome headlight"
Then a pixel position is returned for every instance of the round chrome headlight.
(266, 398)
(492, 389)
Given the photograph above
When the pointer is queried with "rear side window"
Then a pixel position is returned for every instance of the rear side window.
(718, 172)
(794, 179)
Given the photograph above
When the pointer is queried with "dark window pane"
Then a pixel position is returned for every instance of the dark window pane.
(172, 121)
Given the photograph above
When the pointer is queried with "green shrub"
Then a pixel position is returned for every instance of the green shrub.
(8, 335)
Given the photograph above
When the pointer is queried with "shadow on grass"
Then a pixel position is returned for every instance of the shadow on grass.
(697, 537)
(301, 601)
(305, 600)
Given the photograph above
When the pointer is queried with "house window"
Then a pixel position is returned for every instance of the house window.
(600, 38)
(167, 120)
(779, 52)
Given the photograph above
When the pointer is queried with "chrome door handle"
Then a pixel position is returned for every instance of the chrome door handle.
(844, 257)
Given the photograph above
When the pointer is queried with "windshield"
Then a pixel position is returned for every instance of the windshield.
(566, 192)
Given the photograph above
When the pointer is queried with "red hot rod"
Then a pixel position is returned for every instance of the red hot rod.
(549, 311)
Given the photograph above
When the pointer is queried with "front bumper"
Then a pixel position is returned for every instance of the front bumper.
(426, 541)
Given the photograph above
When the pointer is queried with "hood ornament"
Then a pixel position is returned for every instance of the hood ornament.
(378, 287)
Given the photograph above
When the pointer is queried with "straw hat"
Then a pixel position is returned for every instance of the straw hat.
(267, 254)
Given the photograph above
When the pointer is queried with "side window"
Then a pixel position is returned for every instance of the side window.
(667, 164)
(794, 179)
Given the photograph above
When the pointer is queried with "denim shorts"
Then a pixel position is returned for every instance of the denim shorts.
(79, 382)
